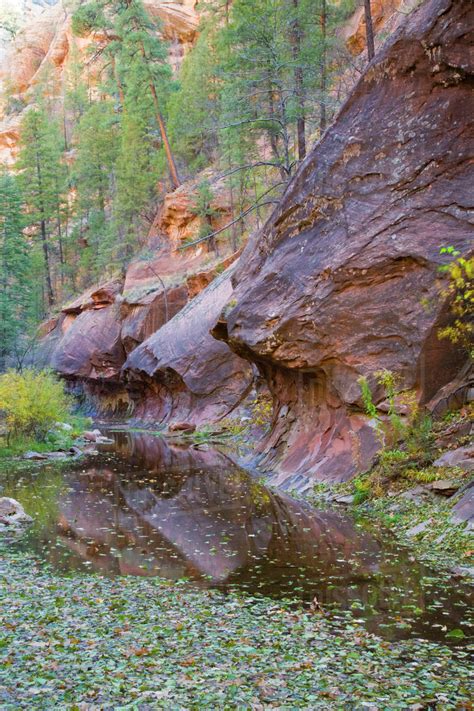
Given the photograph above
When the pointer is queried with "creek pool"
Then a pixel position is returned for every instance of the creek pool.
(145, 506)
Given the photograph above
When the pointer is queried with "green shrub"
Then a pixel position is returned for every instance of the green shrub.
(392, 428)
(460, 292)
(366, 394)
(31, 402)
(362, 490)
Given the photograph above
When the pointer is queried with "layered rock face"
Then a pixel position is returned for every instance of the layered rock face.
(337, 284)
(181, 372)
(168, 303)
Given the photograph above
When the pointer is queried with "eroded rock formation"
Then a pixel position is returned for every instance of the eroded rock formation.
(336, 285)
(181, 372)
(189, 376)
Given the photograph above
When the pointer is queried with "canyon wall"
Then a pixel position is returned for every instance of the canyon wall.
(343, 280)
(140, 344)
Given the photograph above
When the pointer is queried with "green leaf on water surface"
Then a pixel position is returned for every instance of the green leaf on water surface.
(455, 634)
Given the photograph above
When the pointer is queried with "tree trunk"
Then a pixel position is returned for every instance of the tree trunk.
(60, 245)
(118, 82)
(273, 137)
(232, 211)
(164, 136)
(322, 102)
(212, 241)
(369, 30)
(49, 284)
(299, 86)
(60, 235)
(44, 238)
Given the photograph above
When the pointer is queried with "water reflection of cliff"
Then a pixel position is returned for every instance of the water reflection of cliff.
(148, 507)
(165, 510)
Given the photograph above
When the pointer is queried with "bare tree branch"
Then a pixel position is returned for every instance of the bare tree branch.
(243, 214)
(258, 164)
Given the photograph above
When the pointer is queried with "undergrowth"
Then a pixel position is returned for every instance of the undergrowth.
(56, 439)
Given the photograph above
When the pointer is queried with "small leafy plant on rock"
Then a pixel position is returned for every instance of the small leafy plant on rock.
(405, 440)
(390, 427)
(460, 293)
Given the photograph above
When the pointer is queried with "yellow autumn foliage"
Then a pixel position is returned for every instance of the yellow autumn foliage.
(31, 402)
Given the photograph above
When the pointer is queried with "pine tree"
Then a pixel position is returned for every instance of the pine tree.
(93, 176)
(43, 183)
(15, 298)
(136, 177)
(194, 108)
(138, 57)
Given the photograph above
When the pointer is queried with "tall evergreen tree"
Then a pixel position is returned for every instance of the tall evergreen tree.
(15, 297)
(136, 178)
(194, 108)
(93, 176)
(138, 57)
(43, 183)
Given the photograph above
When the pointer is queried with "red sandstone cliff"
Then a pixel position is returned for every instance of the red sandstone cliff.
(333, 287)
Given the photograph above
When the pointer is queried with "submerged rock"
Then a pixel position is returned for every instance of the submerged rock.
(333, 287)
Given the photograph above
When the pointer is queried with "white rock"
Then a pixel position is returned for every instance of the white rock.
(12, 512)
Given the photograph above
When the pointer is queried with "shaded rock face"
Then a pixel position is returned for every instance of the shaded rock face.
(333, 286)
(181, 372)
(186, 373)
(91, 347)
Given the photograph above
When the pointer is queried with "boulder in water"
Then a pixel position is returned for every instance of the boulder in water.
(12, 513)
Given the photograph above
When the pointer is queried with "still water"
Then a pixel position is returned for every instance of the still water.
(144, 506)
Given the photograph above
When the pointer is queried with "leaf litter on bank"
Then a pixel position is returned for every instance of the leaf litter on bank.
(141, 642)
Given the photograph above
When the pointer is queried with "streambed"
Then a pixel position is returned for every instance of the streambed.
(147, 507)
